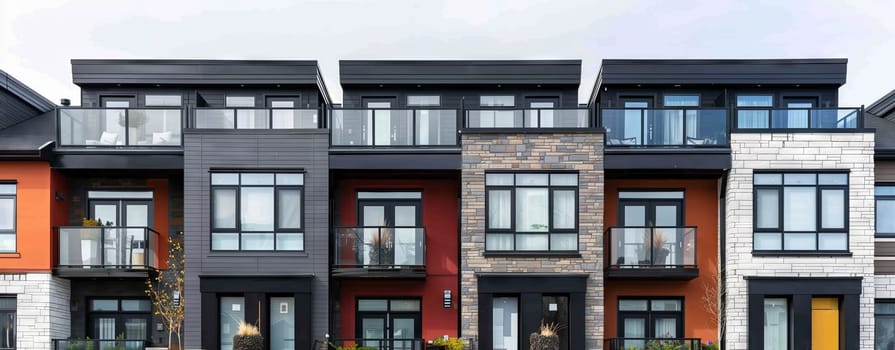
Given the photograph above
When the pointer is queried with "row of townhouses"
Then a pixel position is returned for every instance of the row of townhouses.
(687, 202)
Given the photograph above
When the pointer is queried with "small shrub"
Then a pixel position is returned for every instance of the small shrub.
(248, 338)
(450, 343)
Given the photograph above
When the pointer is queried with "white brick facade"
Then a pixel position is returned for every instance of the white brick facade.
(42, 308)
(846, 151)
(885, 286)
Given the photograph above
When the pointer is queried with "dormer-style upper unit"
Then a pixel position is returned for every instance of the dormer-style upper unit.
(26, 121)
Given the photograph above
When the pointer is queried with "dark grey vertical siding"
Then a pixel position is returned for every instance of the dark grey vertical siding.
(307, 149)
(14, 110)
(455, 97)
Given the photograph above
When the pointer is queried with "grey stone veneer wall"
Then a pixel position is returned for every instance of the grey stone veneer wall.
(573, 151)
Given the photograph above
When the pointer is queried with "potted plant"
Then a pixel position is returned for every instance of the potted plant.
(446, 343)
(382, 249)
(545, 338)
(248, 338)
(660, 253)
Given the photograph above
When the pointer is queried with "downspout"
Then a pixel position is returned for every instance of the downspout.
(722, 233)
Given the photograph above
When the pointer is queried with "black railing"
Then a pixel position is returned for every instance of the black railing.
(406, 127)
(378, 344)
(655, 344)
(656, 127)
(98, 344)
(379, 247)
(799, 118)
(256, 118)
(652, 247)
(119, 127)
(531, 118)
(107, 247)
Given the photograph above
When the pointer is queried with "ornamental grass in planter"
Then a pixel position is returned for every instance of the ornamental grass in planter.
(545, 338)
(248, 338)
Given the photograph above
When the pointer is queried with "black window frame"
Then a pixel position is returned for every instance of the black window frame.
(878, 316)
(649, 314)
(15, 205)
(819, 229)
(550, 229)
(13, 310)
(876, 199)
(237, 228)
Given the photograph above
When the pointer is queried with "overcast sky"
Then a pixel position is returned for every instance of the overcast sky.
(39, 37)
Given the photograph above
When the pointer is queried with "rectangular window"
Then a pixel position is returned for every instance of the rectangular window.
(681, 101)
(7, 218)
(640, 318)
(800, 212)
(163, 100)
(240, 101)
(776, 324)
(753, 112)
(497, 101)
(420, 100)
(884, 315)
(257, 211)
(532, 212)
(885, 210)
(232, 312)
(8, 322)
(505, 317)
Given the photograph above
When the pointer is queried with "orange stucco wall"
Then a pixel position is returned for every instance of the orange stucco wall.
(34, 199)
(700, 210)
(160, 198)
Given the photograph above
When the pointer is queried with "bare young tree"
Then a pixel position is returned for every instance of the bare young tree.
(713, 300)
(166, 292)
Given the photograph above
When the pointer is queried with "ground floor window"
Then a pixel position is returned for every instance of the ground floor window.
(112, 319)
(776, 323)
(389, 323)
(641, 319)
(505, 315)
(232, 312)
(7, 323)
(885, 325)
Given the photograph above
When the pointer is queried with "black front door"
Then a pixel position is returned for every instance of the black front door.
(116, 323)
(389, 324)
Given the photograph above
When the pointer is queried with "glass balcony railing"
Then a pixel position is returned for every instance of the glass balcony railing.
(692, 127)
(652, 247)
(395, 343)
(655, 344)
(107, 247)
(380, 247)
(256, 118)
(573, 118)
(125, 127)
(393, 127)
(799, 118)
(98, 344)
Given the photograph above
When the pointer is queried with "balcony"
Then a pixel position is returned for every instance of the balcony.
(799, 119)
(400, 128)
(98, 344)
(376, 251)
(119, 127)
(665, 127)
(544, 120)
(652, 252)
(256, 118)
(98, 251)
(654, 344)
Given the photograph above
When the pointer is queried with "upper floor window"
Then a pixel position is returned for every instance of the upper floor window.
(800, 212)
(257, 211)
(681, 101)
(531, 212)
(7, 217)
(163, 100)
(240, 101)
(885, 210)
(497, 101)
(422, 101)
(755, 118)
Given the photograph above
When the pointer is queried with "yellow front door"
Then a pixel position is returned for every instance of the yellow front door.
(824, 324)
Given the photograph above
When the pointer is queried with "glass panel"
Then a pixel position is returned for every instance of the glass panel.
(406, 242)
(666, 327)
(8, 328)
(651, 195)
(799, 179)
(499, 179)
(531, 179)
(257, 241)
(420, 100)
(494, 241)
(215, 118)
(289, 208)
(78, 246)
(403, 328)
(505, 317)
(373, 328)
(7, 303)
(225, 241)
(665, 127)
(532, 242)
(497, 101)
(290, 179)
(372, 305)
(832, 208)
(564, 209)
(752, 119)
(352, 128)
(106, 213)
(832, 179)
(7, 213)
(635, 327)
(257, 179)
(495, 118)
(555, 310)
(885, 190)
(232, 312)
(405, 305)
(564, 179)
(405, 215)
(886, 308)
(104, 328)
(282, 323)
(135, 305)
(224, 211)
(240, 101)
(666, 216)
(623, 126)
(885, 216)
(374, 215)
(767, 241)
(224, 179)
(293, 118)
(252, 118)
(92, 127)
(776, 324)
(884, 330)
(154, 127)
(256, 208)
(799, 241)
(681, 100)
(531, 210)
(290, 241)
(134, 328)
(104, 305)
(564, 241)
(767, 179)
(666, 305)
(282, 104)
(436, 127)
(632, 305)
(120, 194)
(635, 215)
(832, 241)
(389, 195)
(767, 208)
(799, 209)
(755, 101)
(393, 127)
(7, 189)
(7, 242)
